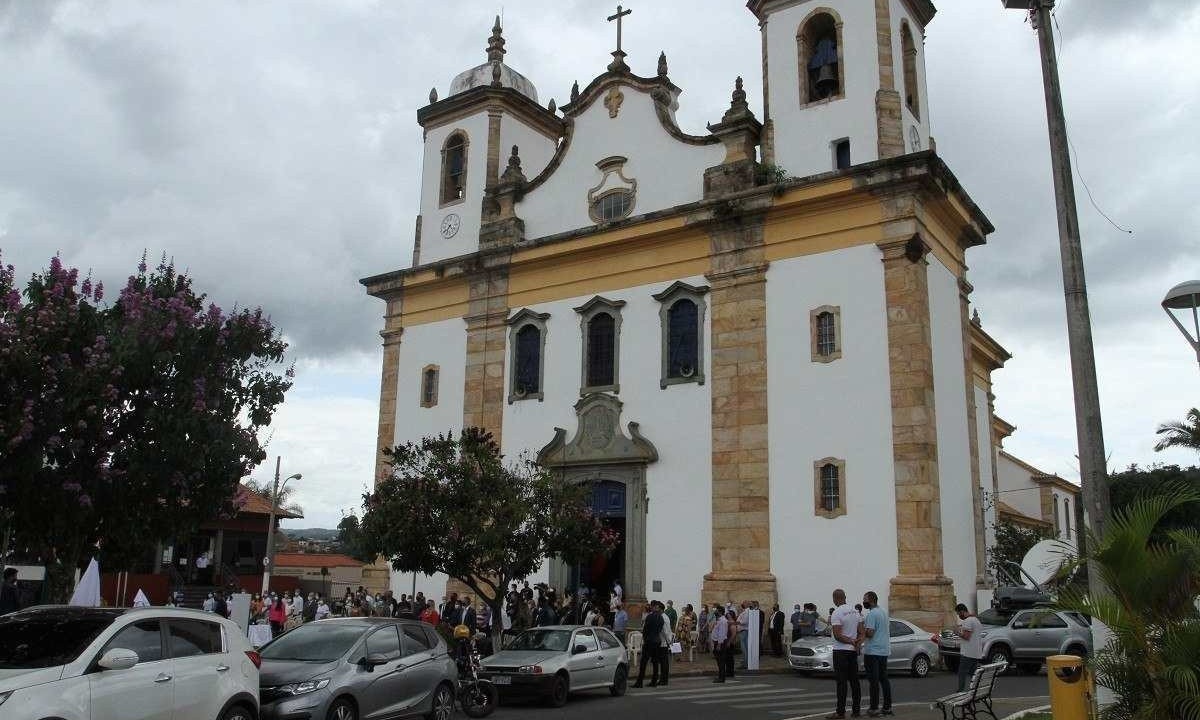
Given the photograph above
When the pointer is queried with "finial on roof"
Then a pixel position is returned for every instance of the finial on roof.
(513, 173)
(739, 95)
(738, 107)
(496, 74)
(975, 318)
(553, 106)
(662, 64)
(495, 49)
(575, 92)
(432, 95)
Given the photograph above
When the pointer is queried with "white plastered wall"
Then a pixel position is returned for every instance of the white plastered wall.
(840, 409)
(676, 419)
(987, 454)
(954, 450)
(668, 172)
(434, 246)
(444, 344)
(1017, 488)
(804, 136)
(535, 149)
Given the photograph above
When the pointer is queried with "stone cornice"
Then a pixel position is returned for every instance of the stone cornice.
(487, 98)
(985, 349)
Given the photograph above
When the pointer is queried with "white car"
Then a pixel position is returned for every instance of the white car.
(74, 663)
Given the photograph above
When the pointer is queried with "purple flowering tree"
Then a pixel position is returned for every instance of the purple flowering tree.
(125, 421)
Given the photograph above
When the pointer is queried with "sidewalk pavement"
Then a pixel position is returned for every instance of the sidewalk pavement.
(705, 665)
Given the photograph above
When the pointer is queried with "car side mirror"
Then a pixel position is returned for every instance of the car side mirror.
(118, 659)
(373, 660)
(579, 649)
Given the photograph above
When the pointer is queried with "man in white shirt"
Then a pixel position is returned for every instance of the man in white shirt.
(210, 603)
(743, 620)
(322, 609)
(298, 606)
(971, 647)
(720, 647)
(847, 639)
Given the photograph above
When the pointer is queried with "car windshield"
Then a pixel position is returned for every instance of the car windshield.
(992, 617)
(315, 642)
(555, 640)
(39, 641)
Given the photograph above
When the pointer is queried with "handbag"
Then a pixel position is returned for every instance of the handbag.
(676, 648)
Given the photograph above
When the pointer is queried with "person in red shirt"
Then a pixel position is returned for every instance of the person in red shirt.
(430, 614)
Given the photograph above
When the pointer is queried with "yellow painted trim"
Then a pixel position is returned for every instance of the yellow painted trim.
(434, 300)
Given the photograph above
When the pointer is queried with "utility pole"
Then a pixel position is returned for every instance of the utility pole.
(1088, 428)
(269, 557)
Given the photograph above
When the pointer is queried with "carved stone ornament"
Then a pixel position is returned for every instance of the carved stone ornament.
(599, 439)
(613, 101)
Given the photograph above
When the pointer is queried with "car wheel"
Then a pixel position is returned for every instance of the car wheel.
(1029, 668)
(620, 682)
(920, 665)
(443, 704)
(999, 654)
(559, 691)
(237, 712)
(342, 709)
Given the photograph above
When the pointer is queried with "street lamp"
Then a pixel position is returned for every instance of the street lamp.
(1185, 296)
(269, 557)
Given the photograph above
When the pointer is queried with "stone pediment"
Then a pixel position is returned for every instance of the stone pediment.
(598, 438)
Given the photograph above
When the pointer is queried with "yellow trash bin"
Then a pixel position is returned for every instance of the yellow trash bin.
(1070, 687)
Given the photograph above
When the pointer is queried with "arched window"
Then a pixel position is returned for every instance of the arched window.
(830, 484)
(1057, 515)
(600, 324)
(602, 346)
(912, 91)
(529, 361)
(819, 45)
(1067, 516)
(683, 346)
(454, 168)
(826, 333)
(429, 386)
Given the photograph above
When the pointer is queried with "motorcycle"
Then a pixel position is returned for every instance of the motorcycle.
(477, 697)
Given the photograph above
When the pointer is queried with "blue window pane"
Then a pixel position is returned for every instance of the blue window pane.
(602, 345)
(529, 361)
(683, 340)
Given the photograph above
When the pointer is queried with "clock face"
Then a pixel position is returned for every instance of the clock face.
(915, 136)
(450, 225)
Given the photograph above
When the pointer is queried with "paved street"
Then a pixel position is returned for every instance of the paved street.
(768, 697)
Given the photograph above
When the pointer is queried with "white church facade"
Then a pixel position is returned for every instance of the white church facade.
(754, 343)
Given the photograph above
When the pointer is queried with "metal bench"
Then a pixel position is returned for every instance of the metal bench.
(976, 699)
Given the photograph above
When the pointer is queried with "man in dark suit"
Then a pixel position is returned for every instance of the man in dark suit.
(652, 627)
(776, 631)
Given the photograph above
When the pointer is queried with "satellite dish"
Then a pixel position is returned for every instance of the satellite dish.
(1044, 560)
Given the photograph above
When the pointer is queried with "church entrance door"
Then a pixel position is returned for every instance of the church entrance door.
(608, 504)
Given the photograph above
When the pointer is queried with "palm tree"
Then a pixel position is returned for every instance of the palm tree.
(1152, 662)
(283, 502)
(1181, 434)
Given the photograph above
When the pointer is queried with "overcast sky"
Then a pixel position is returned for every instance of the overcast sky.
(271, 148)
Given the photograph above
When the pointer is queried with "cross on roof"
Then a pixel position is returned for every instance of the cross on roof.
(621, 12)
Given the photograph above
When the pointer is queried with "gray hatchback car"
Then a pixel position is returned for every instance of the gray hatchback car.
(352, 668)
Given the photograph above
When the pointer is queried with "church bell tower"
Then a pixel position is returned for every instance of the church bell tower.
(844, 81)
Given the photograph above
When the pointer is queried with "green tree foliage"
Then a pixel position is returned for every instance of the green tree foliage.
(283, 499)
(1185, 434)
(351, 541)
(451, 505)
(1012, 542)
(127, 422)
(1153, 660)
(1126, 487)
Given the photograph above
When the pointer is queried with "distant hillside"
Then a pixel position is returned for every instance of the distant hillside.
(324, 534)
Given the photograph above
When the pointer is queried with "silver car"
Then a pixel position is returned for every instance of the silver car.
(914, 651)
(350, 668)
(553, 661)
(1024, 638)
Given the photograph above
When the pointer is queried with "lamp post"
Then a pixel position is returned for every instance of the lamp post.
(269, 557)
(1185, 296)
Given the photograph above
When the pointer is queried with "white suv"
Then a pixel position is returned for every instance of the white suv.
(72, 663)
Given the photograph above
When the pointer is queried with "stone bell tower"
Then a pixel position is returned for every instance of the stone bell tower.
(843, 80)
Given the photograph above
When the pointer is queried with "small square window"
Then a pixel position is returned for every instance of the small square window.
(825, 330)
(841, 154)
(429, 386)
(829, 485)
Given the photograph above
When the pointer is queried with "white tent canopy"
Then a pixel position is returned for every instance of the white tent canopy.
(87, 592)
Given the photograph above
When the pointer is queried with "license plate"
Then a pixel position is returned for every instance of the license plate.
(501, 680)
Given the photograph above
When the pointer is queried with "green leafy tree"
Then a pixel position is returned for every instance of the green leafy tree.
(1126, 487)
(1185, 434)
(1012, 542)
(351, 541)
(132, 421)
(451, 505)
(1153, 660)
(284, 499)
